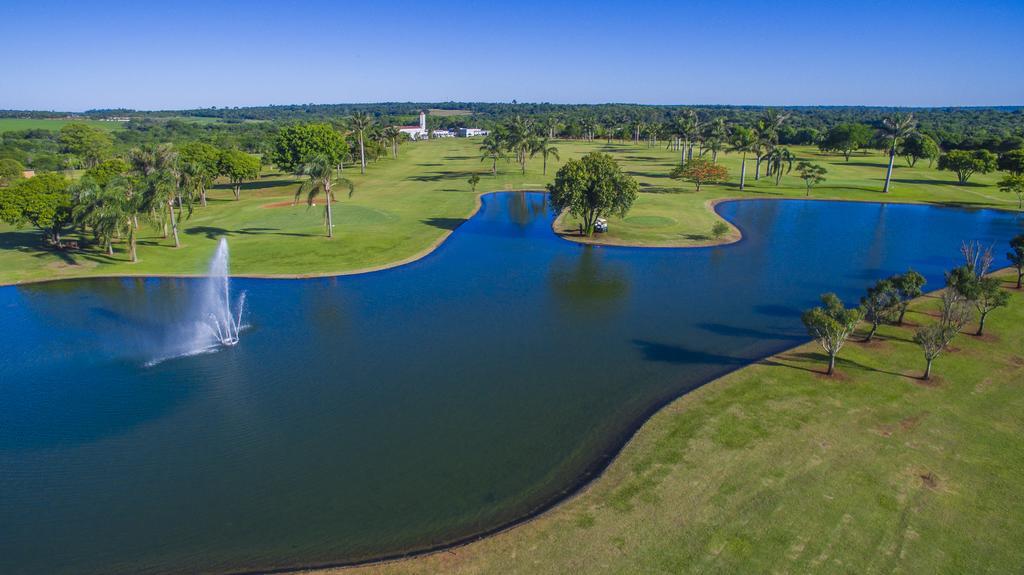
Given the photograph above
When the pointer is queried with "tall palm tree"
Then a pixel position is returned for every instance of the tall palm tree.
(778, 159)
(717, 137)
(743, 140)
(492, 149)
(543, 147)
(320, 173)
(109, 211)
(158, 176)
(551, 125)
(394, 136)
(360, 125)
(896, 128)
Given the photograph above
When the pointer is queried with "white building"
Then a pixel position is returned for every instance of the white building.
(471, 132)
(416, 132)
(442, 134)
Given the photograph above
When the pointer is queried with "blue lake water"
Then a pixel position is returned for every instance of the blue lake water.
(373, 415)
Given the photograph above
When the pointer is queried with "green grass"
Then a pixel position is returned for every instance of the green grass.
(776, 468)
(403, 207)
(15, 124)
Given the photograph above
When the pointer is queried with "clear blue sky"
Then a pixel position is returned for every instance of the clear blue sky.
(85, 54)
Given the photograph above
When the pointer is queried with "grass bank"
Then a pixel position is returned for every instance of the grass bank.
(403, 207)
(776, 468)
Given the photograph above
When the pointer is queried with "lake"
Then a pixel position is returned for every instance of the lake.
(373, 415)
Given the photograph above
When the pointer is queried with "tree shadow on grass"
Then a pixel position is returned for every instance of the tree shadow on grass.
(254, 185)
(438, 176)
(937, 182)
(841, 362)
(444, 223)
(214, 233)
(863, 164)
(666, 353)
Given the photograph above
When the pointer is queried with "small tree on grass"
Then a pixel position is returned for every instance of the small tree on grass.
(1016, 257)
(908, 287)
(592, 187)
(934, 338)
(1013, 185)
(812, 174)
(719, 229)
(831, 325)
(473, 181)
(918, 147)
(237, 167)
(700, 171)
(966, 163)
(983, 292)
(880, 305)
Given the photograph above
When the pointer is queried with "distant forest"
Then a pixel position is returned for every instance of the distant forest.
(253, 129)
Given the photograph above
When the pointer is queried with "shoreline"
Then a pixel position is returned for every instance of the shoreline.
(587, 480)
(711, 204)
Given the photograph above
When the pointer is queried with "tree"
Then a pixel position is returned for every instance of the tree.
(934, 338)
(473, 181)
(700, 171)
(811, 174)
(320, 174)
(1012, 162)
(237, 167)
(43, 202)
(831, 325)
(296, 146)
(719, 229)
(109, 209)
(743, 141)
(908, 287)
(201, 161)
(90, 144)
(360, 124)
(984, 292)
(394, 137)
(492, 149)
(1016, 257)
(1013, 185)
(880, 305)
(845, 139)
(157, 179)
(10, 170)
(965, 163)
(895, 129)
(918, 147)
(716, 137)
(778, 159)
(592, 187)
(543, 147)
(105, 171)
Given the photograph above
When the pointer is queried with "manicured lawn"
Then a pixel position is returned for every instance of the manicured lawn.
(776, 468)
(403, 207)
(14, 124)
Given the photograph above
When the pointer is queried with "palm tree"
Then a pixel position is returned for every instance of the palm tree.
(743, 140)
(551, 125)
(394, 136)
(544, 148)
(158, 176)
(109, 211)
(717, 137)
(360, 125)
(320, 172)
(895, 129)
(492, 149)
(776, 160)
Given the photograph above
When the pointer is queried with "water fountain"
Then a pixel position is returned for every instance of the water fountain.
(223, 323)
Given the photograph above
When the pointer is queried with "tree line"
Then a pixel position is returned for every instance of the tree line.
(970, 294)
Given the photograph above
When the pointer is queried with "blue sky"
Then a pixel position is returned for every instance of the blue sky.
(160, 55)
